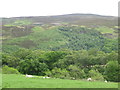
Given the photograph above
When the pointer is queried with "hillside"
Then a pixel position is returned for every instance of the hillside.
(78, 19)
(73, 46)
(72, 31)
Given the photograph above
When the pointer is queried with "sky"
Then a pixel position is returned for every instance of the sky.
(17, 8)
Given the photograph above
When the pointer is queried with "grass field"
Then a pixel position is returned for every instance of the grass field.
(20, 81)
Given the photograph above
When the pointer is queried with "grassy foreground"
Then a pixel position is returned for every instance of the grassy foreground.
(20, 81)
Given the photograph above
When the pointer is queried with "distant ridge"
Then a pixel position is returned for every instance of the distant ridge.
(76, 18)
(75, 14)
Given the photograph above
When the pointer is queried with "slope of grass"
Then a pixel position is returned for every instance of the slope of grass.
(108, 32)
(19, 22)
(20, 81)
(104, 30)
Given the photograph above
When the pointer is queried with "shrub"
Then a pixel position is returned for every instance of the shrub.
(100, 68)
(48, 73)
(95, 75)
(112, 71)
(76, 72)
(9, 70)
(60, 73)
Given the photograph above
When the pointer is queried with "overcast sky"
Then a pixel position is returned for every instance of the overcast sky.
(15, 8)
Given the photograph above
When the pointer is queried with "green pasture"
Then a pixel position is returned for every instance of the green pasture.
(20, 81)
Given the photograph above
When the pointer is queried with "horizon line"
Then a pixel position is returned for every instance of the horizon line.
(60, 15)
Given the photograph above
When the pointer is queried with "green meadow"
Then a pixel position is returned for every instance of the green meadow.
(20, 81)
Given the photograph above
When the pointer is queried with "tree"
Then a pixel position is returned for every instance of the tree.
(112, 71)
(22, 53)
(53, 56)
(60, 73)
(76, 72)
(10, 60)
(95, 75)
(34, 67)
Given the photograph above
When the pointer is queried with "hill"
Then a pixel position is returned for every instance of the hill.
(72, 31)
(79, 19)
(73, 46)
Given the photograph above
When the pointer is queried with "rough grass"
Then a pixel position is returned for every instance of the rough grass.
(19, 22)
(104, 30)
(20, 81)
